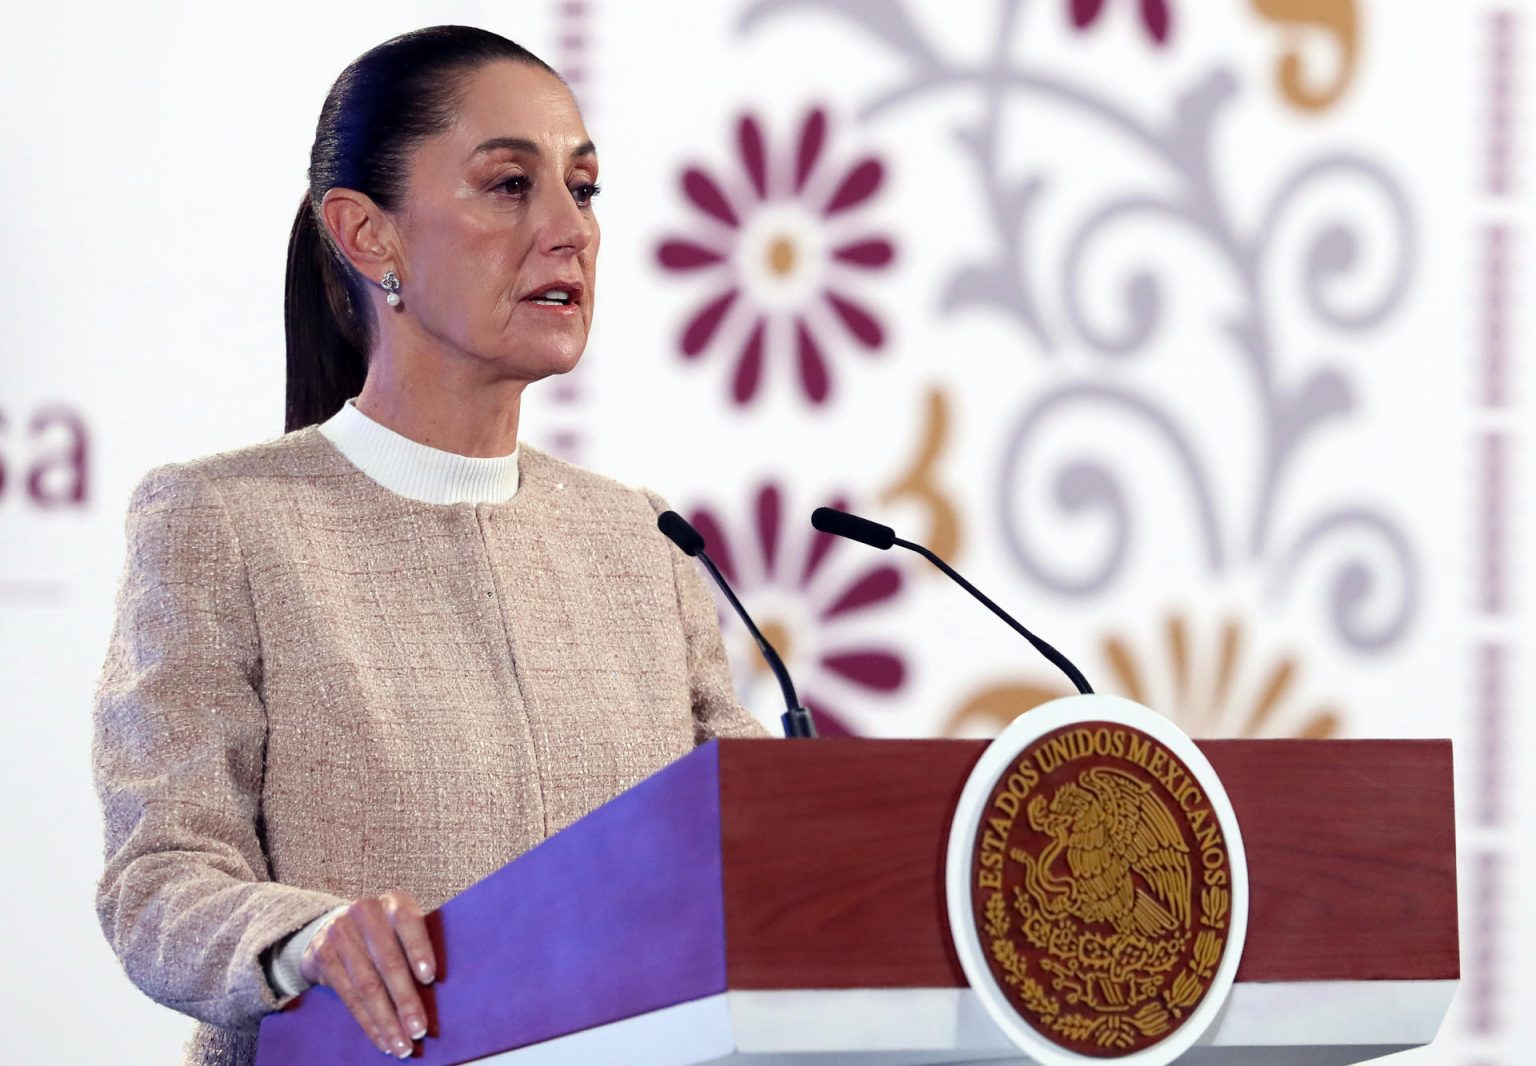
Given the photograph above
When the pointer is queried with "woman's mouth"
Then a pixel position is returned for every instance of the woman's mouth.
(559, 295)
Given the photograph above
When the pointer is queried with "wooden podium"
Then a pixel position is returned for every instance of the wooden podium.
(763, 901)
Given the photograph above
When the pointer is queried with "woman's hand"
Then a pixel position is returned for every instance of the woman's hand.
(372, 954)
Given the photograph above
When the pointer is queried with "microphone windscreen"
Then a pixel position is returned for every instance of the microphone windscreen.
(843, 524)
(680, 532)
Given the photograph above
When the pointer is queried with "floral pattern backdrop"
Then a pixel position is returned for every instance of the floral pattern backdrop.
(1158, 320)
(1191, 332)
(1189, 341)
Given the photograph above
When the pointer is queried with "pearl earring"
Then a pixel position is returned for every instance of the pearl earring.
(391, 285)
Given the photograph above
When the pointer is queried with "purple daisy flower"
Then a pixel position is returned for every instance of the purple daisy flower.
(808, 609)
(1155, 16)
(781, 248)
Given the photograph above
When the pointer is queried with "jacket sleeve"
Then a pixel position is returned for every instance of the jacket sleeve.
(186, 898)
(716, 710)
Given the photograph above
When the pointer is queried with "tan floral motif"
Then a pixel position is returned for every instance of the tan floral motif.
(919, 483)
(1337, 22)
(1208, 695)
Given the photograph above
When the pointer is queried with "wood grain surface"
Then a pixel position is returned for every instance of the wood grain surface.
(834, 855)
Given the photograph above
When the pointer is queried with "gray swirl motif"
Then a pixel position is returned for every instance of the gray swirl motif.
(1331, 276)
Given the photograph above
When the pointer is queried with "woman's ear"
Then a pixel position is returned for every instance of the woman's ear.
(362, 231)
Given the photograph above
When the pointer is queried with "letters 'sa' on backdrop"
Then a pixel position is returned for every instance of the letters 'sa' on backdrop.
(1198, 333)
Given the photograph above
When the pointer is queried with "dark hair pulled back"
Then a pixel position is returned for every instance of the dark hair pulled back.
(388, 100)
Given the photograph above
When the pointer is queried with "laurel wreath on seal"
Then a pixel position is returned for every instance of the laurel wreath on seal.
(1069, 954)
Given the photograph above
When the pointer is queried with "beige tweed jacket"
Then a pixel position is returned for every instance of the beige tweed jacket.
(318, 689)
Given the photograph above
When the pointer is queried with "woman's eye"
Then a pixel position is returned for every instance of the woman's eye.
(516, 184)
(585, 192)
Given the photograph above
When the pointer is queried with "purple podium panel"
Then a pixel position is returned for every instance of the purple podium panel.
(618, 915)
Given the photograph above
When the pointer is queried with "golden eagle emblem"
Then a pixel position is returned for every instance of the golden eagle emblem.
(1110, 825)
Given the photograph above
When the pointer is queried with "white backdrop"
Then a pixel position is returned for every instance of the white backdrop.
(1355, 354)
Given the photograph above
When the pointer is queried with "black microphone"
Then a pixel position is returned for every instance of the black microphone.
(842, 524)
(677, 529)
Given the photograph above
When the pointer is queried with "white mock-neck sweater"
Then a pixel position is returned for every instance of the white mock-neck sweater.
(417, 471)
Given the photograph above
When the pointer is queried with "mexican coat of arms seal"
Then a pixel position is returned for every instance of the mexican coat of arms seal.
(1096, 883)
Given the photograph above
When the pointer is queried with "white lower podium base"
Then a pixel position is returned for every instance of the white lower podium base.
(1345, 1022)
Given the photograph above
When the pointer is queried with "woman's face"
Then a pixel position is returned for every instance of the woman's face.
(497, 224)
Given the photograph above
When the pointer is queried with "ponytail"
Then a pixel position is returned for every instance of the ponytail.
(327, 345)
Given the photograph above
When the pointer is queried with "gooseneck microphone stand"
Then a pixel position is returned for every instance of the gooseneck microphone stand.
(797, 720)
(842, 524)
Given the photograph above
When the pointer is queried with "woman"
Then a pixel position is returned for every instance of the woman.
(359, 667)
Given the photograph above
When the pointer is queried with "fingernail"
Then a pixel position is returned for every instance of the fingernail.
(418, 1028)
(425, 971)
(402, 1049)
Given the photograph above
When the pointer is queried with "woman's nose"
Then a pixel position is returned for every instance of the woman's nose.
(563, 225)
